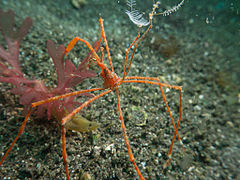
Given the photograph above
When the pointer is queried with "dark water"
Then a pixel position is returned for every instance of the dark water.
(196, 47)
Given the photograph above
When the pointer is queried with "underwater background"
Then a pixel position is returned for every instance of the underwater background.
(196, 47)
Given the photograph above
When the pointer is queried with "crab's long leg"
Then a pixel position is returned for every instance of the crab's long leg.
(64, 152)
(106, 44)
(126, 137)
(68, 117)
(163, 94)
(164, 97)
(19, 133)
(151, 80)
(127, 51)
(135, 46)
